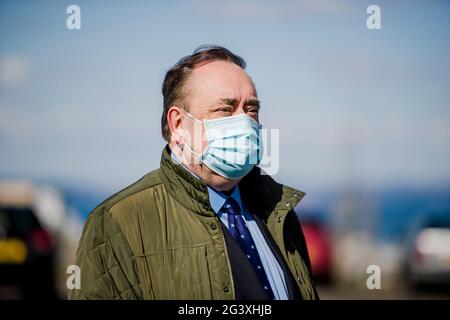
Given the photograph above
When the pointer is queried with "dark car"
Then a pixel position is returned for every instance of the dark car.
(26, 255)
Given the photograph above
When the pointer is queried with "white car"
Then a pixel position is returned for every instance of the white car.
(429, 252)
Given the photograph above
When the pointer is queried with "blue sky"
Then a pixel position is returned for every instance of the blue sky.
(354, 107)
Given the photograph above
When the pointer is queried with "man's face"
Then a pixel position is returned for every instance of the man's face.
(214, 90)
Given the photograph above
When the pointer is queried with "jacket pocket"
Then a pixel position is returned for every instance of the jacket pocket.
(181, 273)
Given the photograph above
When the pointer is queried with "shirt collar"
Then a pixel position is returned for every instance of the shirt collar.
(217, 199)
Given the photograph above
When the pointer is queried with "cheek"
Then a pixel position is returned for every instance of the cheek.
(205, 143)
(196, 138)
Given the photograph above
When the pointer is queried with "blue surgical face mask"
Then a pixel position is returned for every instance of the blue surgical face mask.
(234, 145)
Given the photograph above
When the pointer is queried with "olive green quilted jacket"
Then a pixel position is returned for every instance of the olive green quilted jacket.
(160, 239)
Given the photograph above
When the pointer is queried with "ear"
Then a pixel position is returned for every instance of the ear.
(174, 123)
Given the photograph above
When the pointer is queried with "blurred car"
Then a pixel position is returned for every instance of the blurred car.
(319, 249)
(428, 254)
(26, 252)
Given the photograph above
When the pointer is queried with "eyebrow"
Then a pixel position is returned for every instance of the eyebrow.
(233, 102)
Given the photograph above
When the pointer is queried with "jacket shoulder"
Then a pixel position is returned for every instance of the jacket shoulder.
(132, 208)
(150, 180)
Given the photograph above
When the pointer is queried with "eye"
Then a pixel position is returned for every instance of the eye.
(225, 109)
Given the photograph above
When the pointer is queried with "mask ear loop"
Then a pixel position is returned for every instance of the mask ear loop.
(191, 116)
(198, 155)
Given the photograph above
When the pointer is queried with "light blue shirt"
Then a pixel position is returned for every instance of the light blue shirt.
(273, 270)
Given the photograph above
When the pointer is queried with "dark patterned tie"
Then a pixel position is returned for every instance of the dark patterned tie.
(242, 235)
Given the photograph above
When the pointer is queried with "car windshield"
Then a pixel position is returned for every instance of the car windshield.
(17, 222)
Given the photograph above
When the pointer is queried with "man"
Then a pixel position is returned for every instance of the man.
(207, 224)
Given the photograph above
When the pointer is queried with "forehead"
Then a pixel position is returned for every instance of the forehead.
(219, 79)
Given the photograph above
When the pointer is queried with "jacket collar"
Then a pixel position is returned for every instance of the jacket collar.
(260, 193)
